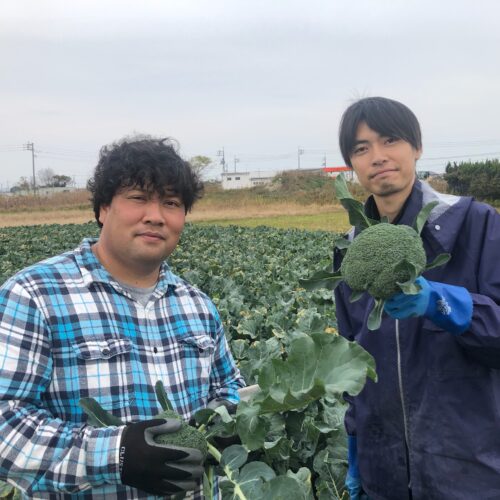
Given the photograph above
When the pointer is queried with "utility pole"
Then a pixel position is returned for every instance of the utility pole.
(299, 152)
(324, 161)
(236, 160)
(31, 147)
(223, 160)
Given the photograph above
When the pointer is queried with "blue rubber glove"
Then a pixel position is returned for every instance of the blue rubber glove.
(447, 306)
(353, 480)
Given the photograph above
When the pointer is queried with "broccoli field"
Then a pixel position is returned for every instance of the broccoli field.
(277, 331)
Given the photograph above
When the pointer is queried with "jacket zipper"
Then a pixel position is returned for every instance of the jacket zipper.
(405, 419)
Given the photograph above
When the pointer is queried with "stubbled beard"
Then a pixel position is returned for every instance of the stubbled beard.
(388, 190)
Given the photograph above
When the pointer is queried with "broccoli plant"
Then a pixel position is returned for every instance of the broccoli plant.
(383, 259)
(290, 427)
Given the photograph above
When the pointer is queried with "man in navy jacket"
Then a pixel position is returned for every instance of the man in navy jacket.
(430, 427)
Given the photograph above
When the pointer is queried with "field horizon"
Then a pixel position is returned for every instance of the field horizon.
(298, 201)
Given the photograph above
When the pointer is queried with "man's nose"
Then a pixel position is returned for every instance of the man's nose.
(153, 212)
(379, 155)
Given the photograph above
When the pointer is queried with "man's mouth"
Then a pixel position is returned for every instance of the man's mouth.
(382, 172)
(151, 235)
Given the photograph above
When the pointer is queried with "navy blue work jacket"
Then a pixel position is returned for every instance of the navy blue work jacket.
(431, 424)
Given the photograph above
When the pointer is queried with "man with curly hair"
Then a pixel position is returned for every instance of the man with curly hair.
(107, 321)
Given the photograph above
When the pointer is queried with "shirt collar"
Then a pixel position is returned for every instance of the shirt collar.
(93, 271)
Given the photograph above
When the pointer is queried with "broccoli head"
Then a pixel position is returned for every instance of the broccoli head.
(186, 436)
(370, 262)
(383, 259)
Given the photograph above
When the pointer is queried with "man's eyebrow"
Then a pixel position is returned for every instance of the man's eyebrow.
(360, 141)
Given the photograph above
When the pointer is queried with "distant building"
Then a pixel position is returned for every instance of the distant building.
(242, 180)
(347, 171)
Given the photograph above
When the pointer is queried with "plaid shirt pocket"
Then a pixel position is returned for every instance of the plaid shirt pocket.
(102, 365)
(102, 348)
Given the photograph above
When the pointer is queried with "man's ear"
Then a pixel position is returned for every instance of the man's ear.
(418, 154)
(103, 212)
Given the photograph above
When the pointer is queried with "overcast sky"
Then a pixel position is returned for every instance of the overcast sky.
(260, 79)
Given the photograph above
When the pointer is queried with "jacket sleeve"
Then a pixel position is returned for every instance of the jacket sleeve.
(39, 451)
(482, 339)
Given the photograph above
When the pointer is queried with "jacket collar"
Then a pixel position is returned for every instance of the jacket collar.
(443, 224)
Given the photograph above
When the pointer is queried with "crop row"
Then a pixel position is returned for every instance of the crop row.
(277, 332)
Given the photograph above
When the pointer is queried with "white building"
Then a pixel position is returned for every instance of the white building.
(241, 180)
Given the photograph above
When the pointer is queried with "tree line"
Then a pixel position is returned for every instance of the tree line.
(478, 179)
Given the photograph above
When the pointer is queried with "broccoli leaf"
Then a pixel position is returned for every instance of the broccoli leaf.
(98, 416)
(438, 261)
(256, 479)
(375, 317)
(341, 243)
(161, 395)
(251, 426)
(423, 215)
(6, 490)
(407, 267)
(317, 364)
(322, 279)
(355, 208)
(409, 287)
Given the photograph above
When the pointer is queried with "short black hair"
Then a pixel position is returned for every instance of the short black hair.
(385, 116)
(146, 163)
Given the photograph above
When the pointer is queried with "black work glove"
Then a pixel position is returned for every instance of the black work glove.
(223, 442)
(215, 403)
(158, 469)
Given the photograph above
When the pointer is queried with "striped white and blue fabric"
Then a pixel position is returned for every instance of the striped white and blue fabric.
(68, 330)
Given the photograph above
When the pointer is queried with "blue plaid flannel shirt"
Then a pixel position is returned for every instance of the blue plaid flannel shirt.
(68, 331)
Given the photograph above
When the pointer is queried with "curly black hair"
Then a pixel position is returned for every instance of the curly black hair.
(147, 163)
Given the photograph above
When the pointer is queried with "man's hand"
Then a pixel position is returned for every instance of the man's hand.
(155, 468)
(448, 306)
(215, 403)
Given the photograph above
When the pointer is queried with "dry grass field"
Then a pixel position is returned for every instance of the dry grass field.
(273, 214)
(302, 201)
(294, 195)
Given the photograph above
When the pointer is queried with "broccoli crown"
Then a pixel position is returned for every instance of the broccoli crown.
(370, 261)
(186, 436)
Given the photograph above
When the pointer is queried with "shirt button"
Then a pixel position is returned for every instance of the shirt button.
(105, 351)
(155, 350)
(437, 227)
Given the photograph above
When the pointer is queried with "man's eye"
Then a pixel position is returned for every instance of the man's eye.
(358, 150)
(172, 203)
(391, 140)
